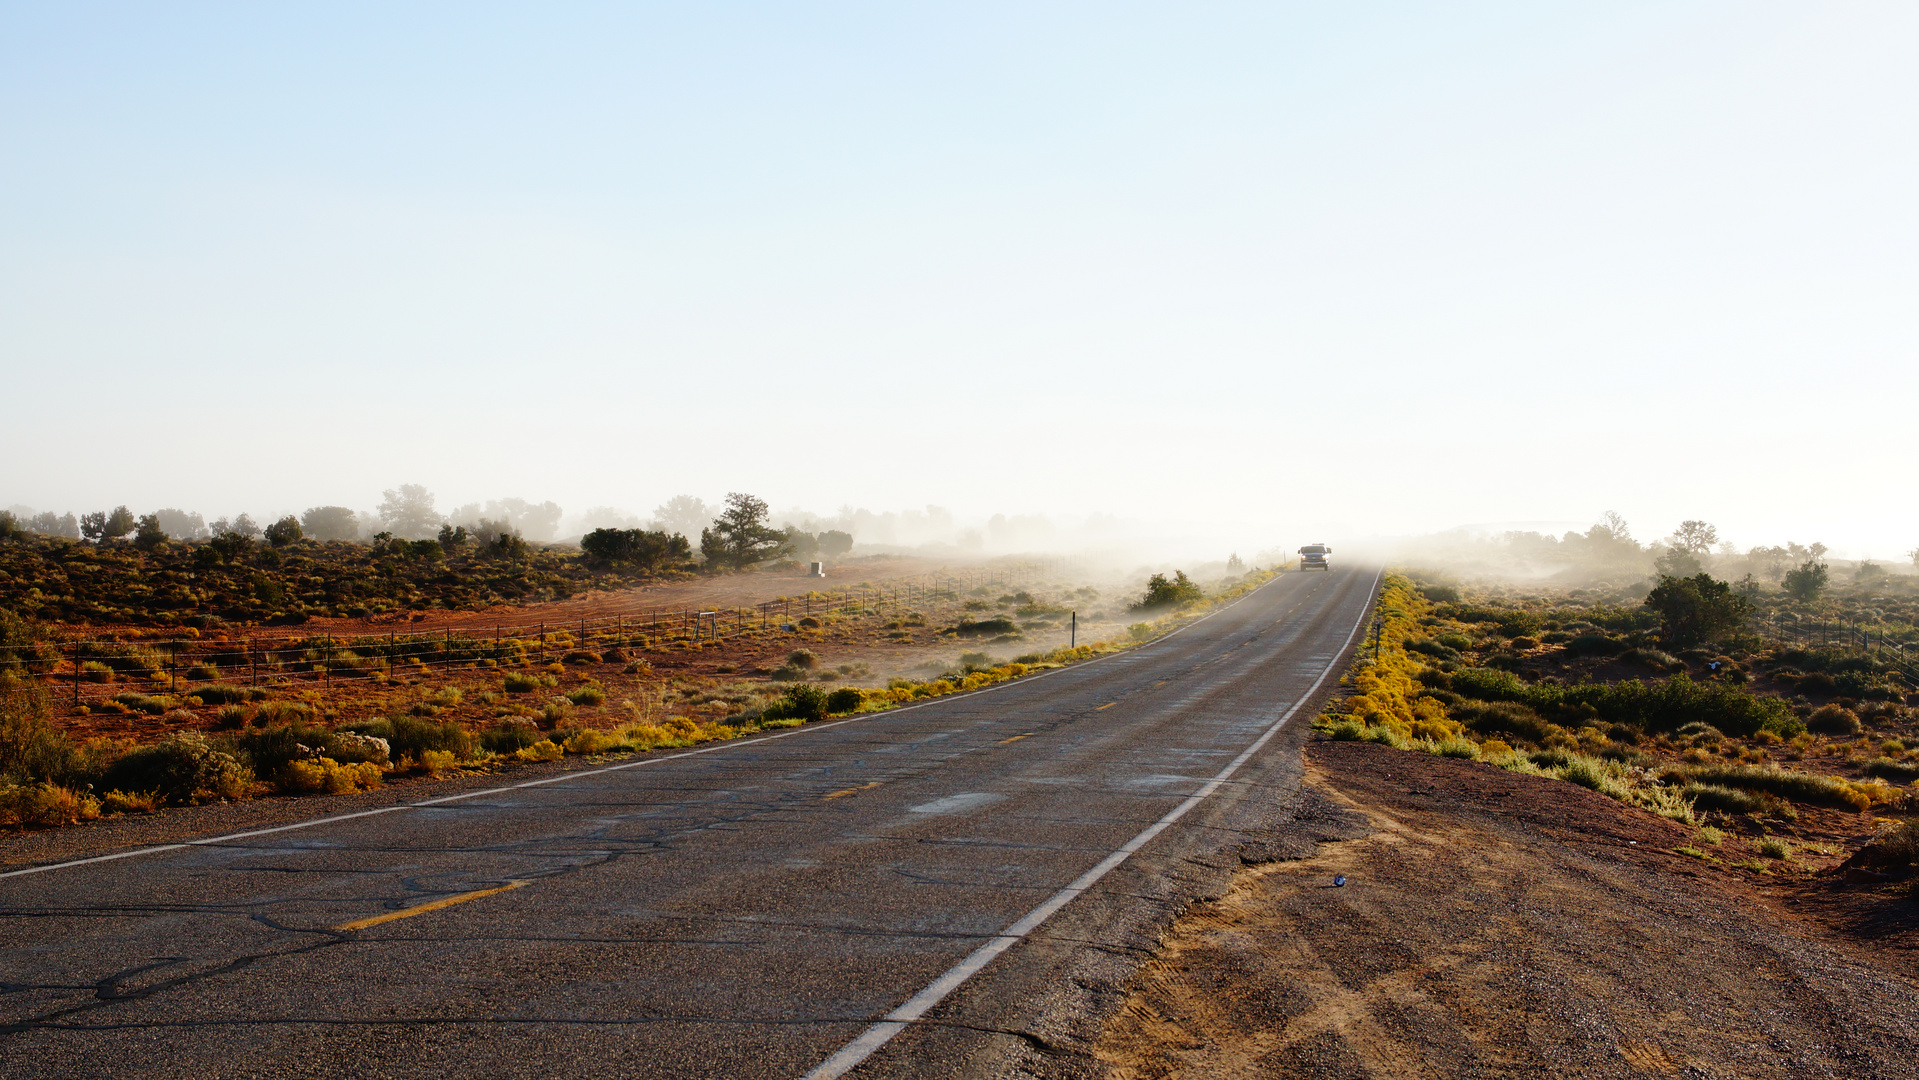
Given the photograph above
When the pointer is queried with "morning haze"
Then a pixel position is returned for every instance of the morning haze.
(858, 540)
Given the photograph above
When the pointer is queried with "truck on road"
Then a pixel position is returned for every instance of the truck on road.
(1313, 557)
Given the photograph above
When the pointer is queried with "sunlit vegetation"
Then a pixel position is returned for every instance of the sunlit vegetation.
(232, 579)
(1677, 704)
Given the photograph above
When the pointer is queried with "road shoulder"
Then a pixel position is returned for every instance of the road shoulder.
(1495, 924)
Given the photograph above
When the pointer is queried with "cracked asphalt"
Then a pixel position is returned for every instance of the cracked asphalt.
(738, 913)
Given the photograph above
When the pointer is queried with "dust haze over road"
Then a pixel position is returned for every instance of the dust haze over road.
(744, 911)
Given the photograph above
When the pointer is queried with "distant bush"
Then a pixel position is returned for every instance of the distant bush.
(1899, 772)
(517, 683)
(1833, 720)
(1503, 718)
(1594, 645)
(284, 531)
(587, 695)
(985, 628)
(803, 659)
(1651, 658)
(1657, 706)
(636, 547)
(223, 694)
(1164, 593)
(844, 700)
(1433, 648)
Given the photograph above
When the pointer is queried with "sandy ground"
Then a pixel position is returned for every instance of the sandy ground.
(1499, 925)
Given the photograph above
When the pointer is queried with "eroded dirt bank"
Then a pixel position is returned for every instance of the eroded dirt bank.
(1502, 925)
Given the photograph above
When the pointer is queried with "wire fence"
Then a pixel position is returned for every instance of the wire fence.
(86, 668)
(1900, 656)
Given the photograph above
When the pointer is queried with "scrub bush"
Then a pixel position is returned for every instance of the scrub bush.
(182, 768)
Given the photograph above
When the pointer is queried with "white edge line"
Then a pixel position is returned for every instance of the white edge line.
(849, 1056)
(651, 760)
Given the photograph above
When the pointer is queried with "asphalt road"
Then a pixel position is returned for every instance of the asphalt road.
(743, 912)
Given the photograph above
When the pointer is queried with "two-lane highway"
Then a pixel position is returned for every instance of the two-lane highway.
(764, 907)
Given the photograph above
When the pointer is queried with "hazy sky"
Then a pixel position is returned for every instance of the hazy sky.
(1268, 272)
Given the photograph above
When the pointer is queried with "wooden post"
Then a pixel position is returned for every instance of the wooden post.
(542, 643)
(76, 673)
(253, 656)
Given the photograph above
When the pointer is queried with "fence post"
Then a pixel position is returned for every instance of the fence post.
(542, 643)
(76, 673)
(253, 658)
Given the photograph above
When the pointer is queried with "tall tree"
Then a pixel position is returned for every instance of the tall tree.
(407, 511)
(1807, 581)
(740, 536)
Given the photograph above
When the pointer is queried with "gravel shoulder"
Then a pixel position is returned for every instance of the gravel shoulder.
(1493, 924)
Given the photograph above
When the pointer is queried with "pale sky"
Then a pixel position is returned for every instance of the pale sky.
(1258, 274)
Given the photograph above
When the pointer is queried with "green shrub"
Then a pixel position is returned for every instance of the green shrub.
(1503, 718)
(803, 701)
(508, 737)
(802, 659)
(223, 694)
(986, 627)
(587, 695)
(1430, 647)
(1657, 706)
(1455, 641)
(517, 683)
(1162, 592)
(270, 749)
(1833, 720)
(182, 768)
(844, 700)
(413, 737)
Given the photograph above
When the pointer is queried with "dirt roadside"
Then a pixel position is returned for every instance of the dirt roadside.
(1493, 924)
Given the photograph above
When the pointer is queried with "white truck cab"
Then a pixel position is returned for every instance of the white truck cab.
(1313, 557)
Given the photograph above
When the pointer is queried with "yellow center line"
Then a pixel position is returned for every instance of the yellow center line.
(852, 790)
(1159, 684)
(1108, 705)
(431, 905)
(1015, 738)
